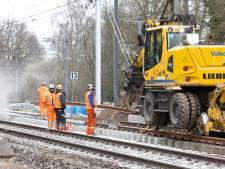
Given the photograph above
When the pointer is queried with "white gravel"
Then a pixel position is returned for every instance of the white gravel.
(185, 162)
(151, 155)
(38, 155)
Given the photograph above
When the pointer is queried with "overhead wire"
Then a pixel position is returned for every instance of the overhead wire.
(58, 12)
(120, 40)
(119, 32)
(123, 48)
(134, 53)
(47, 11)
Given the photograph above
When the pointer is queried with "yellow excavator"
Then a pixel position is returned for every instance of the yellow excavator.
(181, 83)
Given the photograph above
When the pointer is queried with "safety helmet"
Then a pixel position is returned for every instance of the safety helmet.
(59, 87)
(90, 86)
(51, 87)
(43, 83)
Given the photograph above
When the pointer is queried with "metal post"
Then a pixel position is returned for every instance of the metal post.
(66, 66)
(17, 76)
(17, 84)
(116, 56)
(139, 26)
(98, 51)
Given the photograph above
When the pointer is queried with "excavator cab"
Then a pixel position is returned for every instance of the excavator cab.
(159, 40)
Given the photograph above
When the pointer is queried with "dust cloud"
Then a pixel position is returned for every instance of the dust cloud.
(29, 80)
(7, 87)
(33, 75)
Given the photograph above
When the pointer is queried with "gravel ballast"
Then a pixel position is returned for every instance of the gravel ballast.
(37, 155)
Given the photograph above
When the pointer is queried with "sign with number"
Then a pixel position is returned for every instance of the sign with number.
(74, 75)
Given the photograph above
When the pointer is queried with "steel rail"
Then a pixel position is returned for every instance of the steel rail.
(176, 135)
(127, 157)
(202, 157)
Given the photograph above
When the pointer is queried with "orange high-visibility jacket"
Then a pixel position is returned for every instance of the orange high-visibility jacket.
(41, 92)
(48, 100)
(56, 101)
(87, 102)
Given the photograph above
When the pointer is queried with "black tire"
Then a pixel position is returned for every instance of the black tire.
(151, 117)
(179, 109)
(198, 103)
(194, 109)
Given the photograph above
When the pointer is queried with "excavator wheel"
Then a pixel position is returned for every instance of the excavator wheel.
(194, 109)
(152, 118)
(179, 109)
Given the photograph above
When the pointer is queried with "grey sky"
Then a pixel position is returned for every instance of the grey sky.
(21, 10)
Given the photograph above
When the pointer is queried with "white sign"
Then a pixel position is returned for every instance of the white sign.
(74, 75)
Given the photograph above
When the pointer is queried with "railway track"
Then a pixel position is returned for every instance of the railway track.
(171, 134)
(139, 153)
(142, 128)
(160, 133)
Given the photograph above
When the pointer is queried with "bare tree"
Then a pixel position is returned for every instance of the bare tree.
(18, 45)
(77, 28)
(19, 48)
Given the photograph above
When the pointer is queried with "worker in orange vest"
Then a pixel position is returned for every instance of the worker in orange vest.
(41, 93)
(59, 104)
(50, 109)
(90, 102)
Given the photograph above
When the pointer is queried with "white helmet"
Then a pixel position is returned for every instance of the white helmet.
(90, 86)
(51, 86)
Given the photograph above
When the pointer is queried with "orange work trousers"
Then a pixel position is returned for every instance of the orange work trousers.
(91, 122)
(43, 109)
(51, 115)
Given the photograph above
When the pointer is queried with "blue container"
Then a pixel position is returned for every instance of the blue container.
(68, 111)
(74, 110)
(81, 110)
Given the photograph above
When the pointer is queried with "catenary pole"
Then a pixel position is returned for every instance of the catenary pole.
(116, 56)
(98, 51)
(66, 66)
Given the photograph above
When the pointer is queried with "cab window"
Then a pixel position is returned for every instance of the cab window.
(153, 49)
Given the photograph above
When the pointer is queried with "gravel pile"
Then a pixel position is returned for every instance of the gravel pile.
(37, 155)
